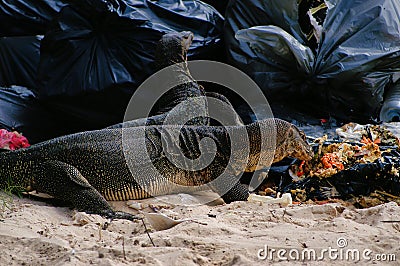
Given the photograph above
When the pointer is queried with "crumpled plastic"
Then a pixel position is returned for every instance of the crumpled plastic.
(219, 5)
(390, 111)
(93, 56)
(27, 17)
(21, 111)
(95, 44)
(356, 60)
(19, 60)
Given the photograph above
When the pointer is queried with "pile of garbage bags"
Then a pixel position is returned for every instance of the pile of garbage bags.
(80, 61)
(348, 73)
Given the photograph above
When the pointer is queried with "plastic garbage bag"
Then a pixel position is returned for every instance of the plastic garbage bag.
(91, 60)
(95, 44)
(27, 17)
(219, 5)
(19, 60)
(40, 120)
(21, 111)
(390, 111)
(90, 111)
(358, 53)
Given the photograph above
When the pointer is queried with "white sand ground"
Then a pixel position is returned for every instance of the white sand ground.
(36, 233)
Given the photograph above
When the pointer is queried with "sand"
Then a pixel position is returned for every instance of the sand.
(33, 232)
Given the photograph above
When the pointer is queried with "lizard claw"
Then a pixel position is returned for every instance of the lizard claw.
(126, 216)
(118, 215)
(110, 214)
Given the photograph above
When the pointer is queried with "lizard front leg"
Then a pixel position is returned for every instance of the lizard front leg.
(230, 189)
(238, 192)
(65, 182)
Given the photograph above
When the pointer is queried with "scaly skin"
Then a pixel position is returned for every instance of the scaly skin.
(90, 168)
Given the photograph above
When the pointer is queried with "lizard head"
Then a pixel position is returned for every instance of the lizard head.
(173, 48)
(291, 142)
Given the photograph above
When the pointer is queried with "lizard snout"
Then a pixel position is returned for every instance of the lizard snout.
(308, 153)
(301, 149)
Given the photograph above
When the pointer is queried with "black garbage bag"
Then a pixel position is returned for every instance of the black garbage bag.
(19, 60)
(90, 111)
(40, 120)
(358, 53)
(95, 44)
(390, 111)
(220, 5)
(362, 179)
(22, 111)
(27, 17)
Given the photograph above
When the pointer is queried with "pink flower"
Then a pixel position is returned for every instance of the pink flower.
(18, 141)
(12, 140)
(5, 138)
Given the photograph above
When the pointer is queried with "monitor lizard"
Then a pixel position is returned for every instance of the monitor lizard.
(89, 168)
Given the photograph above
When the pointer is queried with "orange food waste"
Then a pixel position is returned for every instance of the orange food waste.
(330, 160)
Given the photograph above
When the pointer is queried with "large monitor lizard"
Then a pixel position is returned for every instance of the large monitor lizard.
(89, 168)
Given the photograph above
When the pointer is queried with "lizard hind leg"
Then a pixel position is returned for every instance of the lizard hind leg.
(65, 182)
